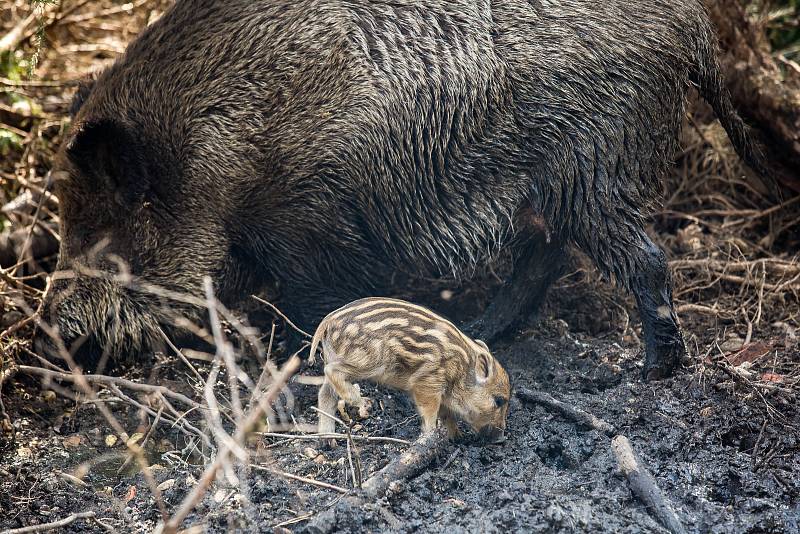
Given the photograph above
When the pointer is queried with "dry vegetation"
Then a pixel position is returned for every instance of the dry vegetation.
(732, 242)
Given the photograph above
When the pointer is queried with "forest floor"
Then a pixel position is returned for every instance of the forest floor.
(722, 441)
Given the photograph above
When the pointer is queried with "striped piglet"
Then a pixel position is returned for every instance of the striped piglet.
(409, 348)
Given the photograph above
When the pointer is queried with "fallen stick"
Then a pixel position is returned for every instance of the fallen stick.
(299, 478)
(103, 379)
(57, 524)
(643, 485)
(334, 435)
(570, 412)
(407, 465)
(413, 460)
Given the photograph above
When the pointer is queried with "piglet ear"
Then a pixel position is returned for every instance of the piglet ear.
(482, 345)
(109, 155)
(484, 367)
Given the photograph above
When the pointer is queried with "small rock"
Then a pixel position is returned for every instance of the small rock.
(396, 487)
(310, 452)
(72, 441)
(320, 459)
(732, 344)
(167, 484)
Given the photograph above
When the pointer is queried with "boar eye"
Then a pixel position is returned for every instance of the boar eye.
(500, 401)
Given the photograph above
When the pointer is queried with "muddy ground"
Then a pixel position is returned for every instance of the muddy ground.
(726, 453)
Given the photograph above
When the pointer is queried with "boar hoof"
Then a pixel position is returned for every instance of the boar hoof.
(662, 360)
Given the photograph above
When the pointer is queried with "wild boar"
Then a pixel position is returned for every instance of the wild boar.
(409, 348)
(320, 148)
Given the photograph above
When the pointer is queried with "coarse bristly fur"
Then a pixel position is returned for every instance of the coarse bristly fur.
(410, 348)
(321, 147)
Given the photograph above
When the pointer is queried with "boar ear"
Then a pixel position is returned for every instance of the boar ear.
(107, 152)
(484, 367)
(85, 87)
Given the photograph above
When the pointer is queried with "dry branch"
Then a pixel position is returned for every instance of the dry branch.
(242, 431)
(413, 460)
(299, 478)
(26, 27)
(58, 524)
(643, 485)
(640, 481)
(103, 379)
(570, 412)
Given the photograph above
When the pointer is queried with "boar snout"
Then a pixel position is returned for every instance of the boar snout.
(90, 318)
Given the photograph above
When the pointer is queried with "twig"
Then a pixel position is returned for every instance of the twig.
(333, 435)
(643, 485)
(299, 478)
(407, 465)
(104, 379)
(568, 411)
(55, 524)
(179, 353)
(144, 441)
(191, 500)
(355, 467)
(22, 31)
(282, 316)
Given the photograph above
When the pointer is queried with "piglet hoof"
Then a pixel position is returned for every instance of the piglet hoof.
(327, 444)
(344, 411)
(662, 360)
(365, 408)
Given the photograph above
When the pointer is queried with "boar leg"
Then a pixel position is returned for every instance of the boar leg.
(651, 284)
(535, 269)
(348, 393)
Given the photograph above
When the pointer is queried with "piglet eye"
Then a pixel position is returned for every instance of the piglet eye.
(500, 401)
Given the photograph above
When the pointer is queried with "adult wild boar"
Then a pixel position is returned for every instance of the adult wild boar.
(322, 147)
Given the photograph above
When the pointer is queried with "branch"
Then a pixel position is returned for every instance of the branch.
(58, 524)
(570, 412)
(406, 466)
(242, 431)
(643, 485)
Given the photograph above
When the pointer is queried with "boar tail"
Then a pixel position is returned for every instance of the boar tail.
(708, 77)
(315, 341)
